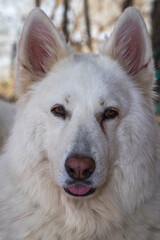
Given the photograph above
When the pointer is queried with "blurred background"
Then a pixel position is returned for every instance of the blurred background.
(85, 24)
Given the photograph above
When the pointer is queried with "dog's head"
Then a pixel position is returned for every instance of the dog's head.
(87, 118)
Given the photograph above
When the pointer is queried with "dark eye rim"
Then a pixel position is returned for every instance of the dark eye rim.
(59, 114)
(107, 113)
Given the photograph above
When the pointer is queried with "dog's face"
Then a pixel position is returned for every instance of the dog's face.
(86, 112)
(81, 113)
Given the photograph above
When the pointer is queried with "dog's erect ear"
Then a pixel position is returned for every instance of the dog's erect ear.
(130, 45)
(40, 47)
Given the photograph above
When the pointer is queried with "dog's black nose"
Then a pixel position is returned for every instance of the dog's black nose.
(79, 168)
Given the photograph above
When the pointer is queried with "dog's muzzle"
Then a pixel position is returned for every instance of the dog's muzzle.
(79, 169)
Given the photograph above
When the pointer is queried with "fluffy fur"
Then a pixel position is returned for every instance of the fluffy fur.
(126, 203)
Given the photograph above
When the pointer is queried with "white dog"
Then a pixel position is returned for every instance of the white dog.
(83, 159)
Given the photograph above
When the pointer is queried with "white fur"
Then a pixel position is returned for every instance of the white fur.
(126, 202)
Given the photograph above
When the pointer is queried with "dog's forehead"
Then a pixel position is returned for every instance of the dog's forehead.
(93, 73)
(96, 70)
(90, 70)
(86, 76)
(90, 63)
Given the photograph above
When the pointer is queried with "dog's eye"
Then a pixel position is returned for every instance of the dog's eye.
(59, 111)
(110, 113)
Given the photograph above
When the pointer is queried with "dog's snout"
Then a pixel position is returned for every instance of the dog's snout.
(79, 167)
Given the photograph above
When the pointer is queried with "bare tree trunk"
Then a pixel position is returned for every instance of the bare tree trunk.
(37, 3)
(88, 26)
(155, 24)
(65, 20)
(155, 15)
(127, 3)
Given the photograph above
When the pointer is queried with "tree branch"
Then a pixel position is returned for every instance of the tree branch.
(88, 26)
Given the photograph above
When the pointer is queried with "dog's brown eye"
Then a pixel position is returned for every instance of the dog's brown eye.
(110, 113)
(59, 111)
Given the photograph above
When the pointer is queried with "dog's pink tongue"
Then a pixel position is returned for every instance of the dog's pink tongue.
(79, 189)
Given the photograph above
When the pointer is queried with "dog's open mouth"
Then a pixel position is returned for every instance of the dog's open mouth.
(79, 190)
